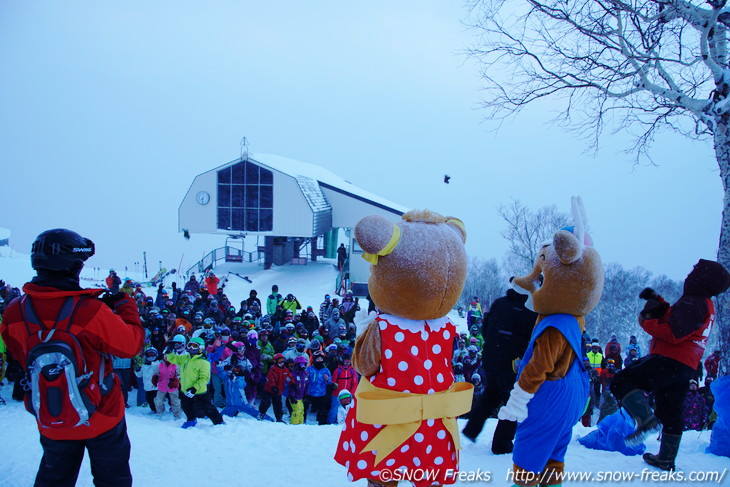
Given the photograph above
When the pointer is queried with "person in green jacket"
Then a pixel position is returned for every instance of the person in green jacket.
(273, 300)
(194, 378)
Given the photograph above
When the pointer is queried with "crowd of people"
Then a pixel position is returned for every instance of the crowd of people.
(283, 356)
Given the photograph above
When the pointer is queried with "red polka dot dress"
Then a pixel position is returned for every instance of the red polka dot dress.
(415, 357)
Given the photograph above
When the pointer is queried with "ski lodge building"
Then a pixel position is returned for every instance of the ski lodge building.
(294, 210)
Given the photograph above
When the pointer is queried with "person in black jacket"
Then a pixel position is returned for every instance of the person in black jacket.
(506, 331)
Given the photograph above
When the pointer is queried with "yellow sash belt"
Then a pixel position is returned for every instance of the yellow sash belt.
(402, 413)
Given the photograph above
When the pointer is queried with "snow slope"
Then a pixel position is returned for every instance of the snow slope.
(246, 452)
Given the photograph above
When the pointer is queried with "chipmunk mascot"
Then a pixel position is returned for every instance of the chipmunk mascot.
(404, 418)
(551, 391)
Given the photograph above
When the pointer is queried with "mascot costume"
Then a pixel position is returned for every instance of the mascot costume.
(403, 425)
(551, 391)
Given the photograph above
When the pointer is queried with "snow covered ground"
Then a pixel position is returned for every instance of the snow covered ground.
(248, 452)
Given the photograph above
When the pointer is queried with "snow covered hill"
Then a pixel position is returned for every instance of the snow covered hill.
(246, 452)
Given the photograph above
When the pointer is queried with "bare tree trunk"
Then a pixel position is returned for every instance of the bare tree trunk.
(722, 152)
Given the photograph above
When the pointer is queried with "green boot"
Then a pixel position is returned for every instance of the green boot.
(637, 406)
(667, 453)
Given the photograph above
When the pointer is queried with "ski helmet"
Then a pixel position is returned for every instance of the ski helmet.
(178, 339)
(60, 250)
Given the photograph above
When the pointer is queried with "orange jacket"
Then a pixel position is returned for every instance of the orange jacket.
(99, 331)
(211, 283)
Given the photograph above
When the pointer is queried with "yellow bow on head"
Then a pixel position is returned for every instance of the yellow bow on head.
(394, 239)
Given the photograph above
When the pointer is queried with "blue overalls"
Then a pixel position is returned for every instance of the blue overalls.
(557, 405)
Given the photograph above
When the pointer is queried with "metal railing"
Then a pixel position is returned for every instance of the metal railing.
(225, 254)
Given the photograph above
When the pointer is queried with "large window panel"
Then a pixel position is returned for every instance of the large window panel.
(266, 220)
(252, 174)
(224, 218)
(237, 199)
(238, 174)
(266, 197)
(252, 196)
(224, 176)
(266, 177)
(252, 219)
(224, 196)
(237, 219)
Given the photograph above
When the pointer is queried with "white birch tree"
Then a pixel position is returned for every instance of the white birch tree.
(638, 66)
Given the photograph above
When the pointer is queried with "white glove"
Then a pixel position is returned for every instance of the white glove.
(190, 394)
(516, 407)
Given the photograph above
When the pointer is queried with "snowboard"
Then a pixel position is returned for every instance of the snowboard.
(245, 278)
(159, 277)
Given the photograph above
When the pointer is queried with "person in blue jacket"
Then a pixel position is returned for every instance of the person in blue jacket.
(319, 378)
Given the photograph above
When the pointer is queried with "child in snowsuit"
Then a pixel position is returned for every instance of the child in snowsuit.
(344, 400)
(232, 372)
(694, 414)
(194, 378)
(277, 378)
(319, 377)
(297, 389)
(149, 369)
(344, 377)
(168, 384)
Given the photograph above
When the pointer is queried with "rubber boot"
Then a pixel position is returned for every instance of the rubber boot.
(667, 452)
(585, 420)
(504, 433)
(636, 404)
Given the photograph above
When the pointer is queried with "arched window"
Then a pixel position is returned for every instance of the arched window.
(245, 198)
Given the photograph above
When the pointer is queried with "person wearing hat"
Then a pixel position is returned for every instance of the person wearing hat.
(344, 403)
(266, 349)
(113, 282)
(101, 326)
(475, 332)
(595, 356)
(633, 345)
(473, 314)
(128, 287)
(276, 380)
(194, 378)
(193, 285)
(679, 336)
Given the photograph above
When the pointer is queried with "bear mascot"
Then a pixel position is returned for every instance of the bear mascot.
(551, 391)
(403, 424)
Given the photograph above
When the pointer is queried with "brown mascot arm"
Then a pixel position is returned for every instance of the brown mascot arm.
(366, 353)
(551, 358)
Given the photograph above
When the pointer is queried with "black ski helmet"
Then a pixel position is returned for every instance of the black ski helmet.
(60, 250)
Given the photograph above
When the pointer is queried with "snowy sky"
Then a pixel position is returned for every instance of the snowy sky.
(109, 110)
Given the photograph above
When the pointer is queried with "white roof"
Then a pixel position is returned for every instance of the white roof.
(297, 168)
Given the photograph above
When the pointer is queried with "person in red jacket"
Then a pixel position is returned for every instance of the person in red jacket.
(211, 284)
(277, 378)
(102, 328)
(679, 336)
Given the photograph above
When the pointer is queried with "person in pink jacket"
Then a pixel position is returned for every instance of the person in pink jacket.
(168, 383)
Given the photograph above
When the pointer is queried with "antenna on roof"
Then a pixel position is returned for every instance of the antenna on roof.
(244, 148)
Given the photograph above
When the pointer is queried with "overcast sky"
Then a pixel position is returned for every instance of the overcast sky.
(108, 110)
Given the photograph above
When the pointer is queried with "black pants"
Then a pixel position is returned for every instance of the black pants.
(108, 455)
(150, 397)
(199, 406)
(496, 393)
(667, 378)
(321, 406)
(268, 399)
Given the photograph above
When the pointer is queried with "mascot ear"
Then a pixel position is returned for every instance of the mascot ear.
(567, 247)
(457, 225)
(373, 233)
